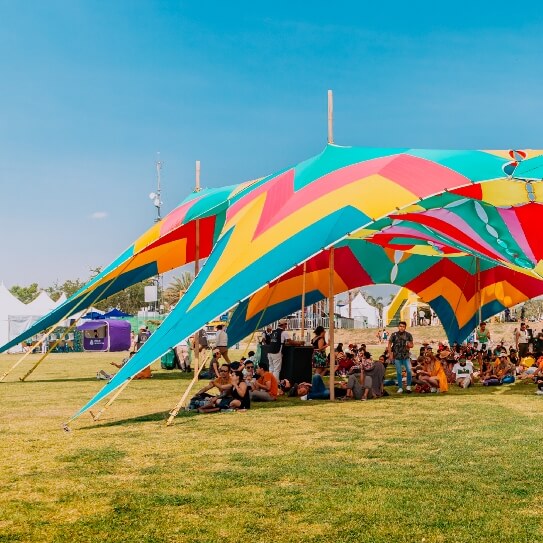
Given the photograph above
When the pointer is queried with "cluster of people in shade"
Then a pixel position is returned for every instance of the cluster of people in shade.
(359, 375)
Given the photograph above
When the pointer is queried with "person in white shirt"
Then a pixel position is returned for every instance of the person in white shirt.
(463, 373)
(522, 339)
(222, 342)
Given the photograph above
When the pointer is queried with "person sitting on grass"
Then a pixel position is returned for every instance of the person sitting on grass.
(354, 388)
(240, 392)
(345, 364)
(499, 373)
(213, 371)
(463, 372)
(418, 366)
(316, 390)
(222, 383)
(433, 374)
(265, 388)
(249, 373)
(104, 376)
(377, 375)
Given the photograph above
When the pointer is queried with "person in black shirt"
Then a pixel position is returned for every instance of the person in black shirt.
(399, 344)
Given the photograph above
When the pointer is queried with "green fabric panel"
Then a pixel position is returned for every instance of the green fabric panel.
(441, 200)
(213, 201)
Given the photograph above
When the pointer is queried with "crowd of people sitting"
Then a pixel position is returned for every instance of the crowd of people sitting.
(361, 376)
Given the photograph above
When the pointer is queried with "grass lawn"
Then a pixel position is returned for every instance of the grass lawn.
(456, 467)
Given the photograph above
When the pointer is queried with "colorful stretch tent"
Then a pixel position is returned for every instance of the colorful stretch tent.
(452, 226)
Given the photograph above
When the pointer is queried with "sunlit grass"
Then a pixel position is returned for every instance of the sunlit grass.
(461, 466)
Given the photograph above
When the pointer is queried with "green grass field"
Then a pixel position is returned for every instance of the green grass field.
(456, 467)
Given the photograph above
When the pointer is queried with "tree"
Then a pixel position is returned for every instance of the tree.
(69, 287)
(25, 294)
(533, 309)
(375, 302)
(129, 300)
(178, 287)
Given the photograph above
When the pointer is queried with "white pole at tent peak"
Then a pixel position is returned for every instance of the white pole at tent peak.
(330, 117)
(197, 185)
(157, 201)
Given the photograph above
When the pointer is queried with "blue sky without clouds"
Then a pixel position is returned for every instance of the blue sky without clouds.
(91, 90)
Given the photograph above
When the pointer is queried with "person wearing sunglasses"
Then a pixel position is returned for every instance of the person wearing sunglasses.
(222, 382)
(249, 374)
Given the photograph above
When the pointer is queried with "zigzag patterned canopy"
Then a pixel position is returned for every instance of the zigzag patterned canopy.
(413, 218)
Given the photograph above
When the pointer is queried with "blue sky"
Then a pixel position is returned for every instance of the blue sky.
(90, 91)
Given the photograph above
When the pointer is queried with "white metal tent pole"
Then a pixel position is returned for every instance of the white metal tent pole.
(332, 325)
(302, 324)
(330, 117)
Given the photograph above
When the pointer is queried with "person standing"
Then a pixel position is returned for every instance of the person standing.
(319, 350)
(222, 342)
(482, 336)
(422, 317)
(522, 340)
(266, 336)
(279, 337)
(399, 344)
(143, 336)
(133, 341)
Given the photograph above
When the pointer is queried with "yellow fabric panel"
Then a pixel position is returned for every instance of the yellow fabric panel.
(504, 192)
(538, 270)
(243, 186)
(504, 153)
(149, 237)
(364, 194)
(363, 233)
(402, 295)
(286, 289)
(409, 209)
(428, 250)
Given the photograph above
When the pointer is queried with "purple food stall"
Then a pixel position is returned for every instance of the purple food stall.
(106, 335)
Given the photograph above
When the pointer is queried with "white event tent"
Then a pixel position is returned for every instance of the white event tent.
(16, 317)
(364, 314)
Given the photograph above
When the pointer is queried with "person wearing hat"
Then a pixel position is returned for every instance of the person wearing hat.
(463, 372)
(279, 337)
